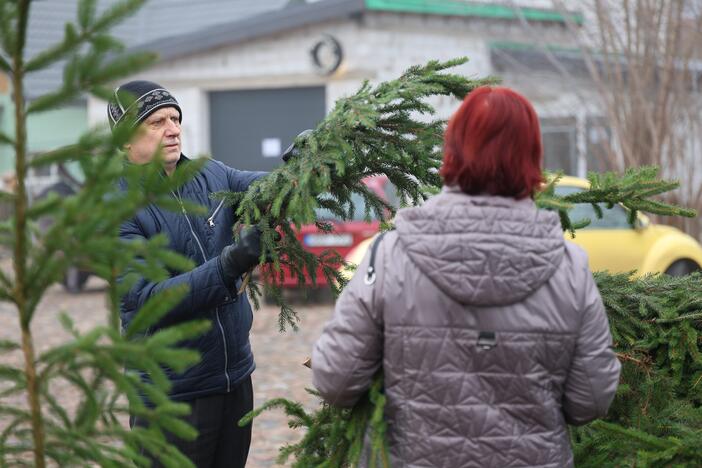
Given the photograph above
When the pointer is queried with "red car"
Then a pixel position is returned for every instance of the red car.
(346, 234)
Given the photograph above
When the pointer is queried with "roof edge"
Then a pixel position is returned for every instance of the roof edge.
(253, 27)
(476, 9)
(514, 45)
(303, 14)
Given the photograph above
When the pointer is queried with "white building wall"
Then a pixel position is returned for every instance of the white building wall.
(195, 128)
(378, 46)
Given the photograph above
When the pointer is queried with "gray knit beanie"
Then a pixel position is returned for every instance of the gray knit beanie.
(147, 96)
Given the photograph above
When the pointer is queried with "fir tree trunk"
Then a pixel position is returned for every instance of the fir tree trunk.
(33, 395)
(21, 238)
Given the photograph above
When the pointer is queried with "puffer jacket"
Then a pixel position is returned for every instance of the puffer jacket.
(226, 357)
(490, 331)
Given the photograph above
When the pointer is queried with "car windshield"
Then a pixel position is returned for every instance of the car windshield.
(359, 212)
(614, 218)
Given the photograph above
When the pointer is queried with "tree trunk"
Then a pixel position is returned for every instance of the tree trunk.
(21, 238)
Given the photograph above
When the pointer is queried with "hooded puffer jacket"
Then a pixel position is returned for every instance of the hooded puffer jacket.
(489, 329)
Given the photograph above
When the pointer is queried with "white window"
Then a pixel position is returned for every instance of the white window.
(560, 137)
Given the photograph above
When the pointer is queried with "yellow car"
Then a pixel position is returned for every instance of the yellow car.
(613, 244)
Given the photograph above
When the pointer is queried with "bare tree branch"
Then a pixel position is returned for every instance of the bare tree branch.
(644, 62)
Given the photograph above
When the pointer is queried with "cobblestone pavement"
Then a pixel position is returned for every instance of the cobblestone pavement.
(278, 356)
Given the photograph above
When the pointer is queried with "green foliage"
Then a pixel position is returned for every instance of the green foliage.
(632, 190)
(335, 437)
(5, 140)
(656, 419)
(386, 129)
(82, 230)
(88, 70)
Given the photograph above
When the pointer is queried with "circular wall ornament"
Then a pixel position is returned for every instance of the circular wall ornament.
(327, 55)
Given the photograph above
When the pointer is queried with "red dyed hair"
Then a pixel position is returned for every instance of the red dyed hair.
(493, 145)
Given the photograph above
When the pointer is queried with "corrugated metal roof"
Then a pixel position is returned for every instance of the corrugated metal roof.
(300, 13)
(157, 19)
(294, 15)
(175, 28)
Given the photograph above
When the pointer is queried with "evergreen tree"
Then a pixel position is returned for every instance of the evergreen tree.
(388, 129)
(84, 232)
(377, 126)
(655, 320)
(656, 417)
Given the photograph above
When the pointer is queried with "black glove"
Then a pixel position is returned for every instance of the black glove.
(292, 151)
(237, 259)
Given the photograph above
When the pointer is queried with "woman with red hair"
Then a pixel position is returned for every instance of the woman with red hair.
(488, 326)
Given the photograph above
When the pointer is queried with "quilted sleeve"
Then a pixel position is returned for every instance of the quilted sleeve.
(594, 373)
(206, 288)
(239, 181)
(349, 352)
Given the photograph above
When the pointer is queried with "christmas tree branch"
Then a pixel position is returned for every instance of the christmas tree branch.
(84, 232)
(632, 190)
(654, 320)
(380, 130)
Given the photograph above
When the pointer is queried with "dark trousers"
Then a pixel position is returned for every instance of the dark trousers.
(220, 442)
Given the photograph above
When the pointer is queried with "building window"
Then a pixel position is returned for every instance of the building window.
(562, 152)
(558, 136)
(599, 150)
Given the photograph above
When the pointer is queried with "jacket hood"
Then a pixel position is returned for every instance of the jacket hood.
(482, 250)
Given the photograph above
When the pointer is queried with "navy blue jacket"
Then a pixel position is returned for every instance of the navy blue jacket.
(225, 349)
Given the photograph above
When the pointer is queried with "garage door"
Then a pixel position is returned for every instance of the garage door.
(250, 128)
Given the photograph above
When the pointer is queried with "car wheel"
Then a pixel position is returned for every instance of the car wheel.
(682, 268)
(74, 280)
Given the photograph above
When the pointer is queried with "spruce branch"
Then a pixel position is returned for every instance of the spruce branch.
(655, 322)
(5, 65)
(632, 190)
(6, 139)
(90, 30)
(83, 231)
(85, 70)
(333, 437)
(385, 129)
(87, 74)
(8, 29)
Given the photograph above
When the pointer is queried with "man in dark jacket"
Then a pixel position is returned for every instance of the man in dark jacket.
(219, 388)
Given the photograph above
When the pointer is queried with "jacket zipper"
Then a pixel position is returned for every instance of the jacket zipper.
(204, 257)
(210, 220)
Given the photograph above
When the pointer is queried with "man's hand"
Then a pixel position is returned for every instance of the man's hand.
(292, 151)
(237, 259)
